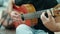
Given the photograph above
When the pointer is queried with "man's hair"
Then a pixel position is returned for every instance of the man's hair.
(20, 2)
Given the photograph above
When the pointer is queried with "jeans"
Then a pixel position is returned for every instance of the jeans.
(24, 29)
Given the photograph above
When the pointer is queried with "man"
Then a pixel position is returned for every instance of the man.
(39, 28)
(39, 5)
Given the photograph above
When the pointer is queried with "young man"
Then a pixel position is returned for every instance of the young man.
(39, 28)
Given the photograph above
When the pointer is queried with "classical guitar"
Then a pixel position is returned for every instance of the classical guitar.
(29, 14)
(25, 9)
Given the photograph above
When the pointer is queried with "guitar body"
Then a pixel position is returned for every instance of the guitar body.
(24, 9)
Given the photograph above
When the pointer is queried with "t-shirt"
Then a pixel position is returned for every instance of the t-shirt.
(39, 5)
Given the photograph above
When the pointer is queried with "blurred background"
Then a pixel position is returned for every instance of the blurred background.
(58, 1)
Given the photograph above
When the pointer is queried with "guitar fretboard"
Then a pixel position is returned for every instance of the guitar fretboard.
(36, 14)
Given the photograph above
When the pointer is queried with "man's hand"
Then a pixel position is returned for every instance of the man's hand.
(49, 22)
(49, 19)
(16, 18)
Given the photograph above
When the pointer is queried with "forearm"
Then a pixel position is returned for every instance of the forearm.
(58, 26)
(10, 6)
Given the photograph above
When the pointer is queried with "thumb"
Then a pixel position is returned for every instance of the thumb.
(44, 18)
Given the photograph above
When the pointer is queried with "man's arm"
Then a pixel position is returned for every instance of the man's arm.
(10, 6)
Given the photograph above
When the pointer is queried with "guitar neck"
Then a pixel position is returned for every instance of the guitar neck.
(36, 14)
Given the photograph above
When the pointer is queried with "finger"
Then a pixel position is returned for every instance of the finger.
(48, 12)
(19, 21)
(50, 17)
(17, 13)
(43, 17)
(16, 19)
(14, 13)
(15, 16)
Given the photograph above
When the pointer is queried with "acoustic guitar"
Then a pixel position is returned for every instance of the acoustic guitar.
(25, 9)
(29, 15)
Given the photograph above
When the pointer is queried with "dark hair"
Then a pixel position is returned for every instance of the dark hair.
(20, 2)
